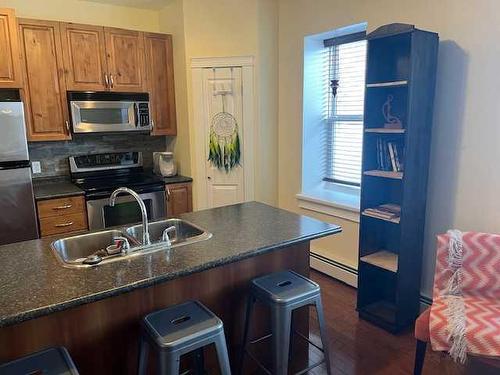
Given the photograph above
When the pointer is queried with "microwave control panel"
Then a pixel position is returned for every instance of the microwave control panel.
(143, 119)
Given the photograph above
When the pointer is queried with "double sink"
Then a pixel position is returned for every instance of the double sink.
(90, 249)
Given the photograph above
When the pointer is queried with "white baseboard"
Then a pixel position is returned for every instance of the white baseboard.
(336, 270)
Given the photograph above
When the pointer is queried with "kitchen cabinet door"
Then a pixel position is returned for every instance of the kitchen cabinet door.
(10, 62)
(125, 60)
(44, 91)
(84, 57)
(179, 199)
(160, 78)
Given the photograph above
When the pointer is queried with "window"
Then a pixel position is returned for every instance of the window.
(344, 88)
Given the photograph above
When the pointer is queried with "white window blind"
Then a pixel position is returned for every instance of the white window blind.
(345, 64)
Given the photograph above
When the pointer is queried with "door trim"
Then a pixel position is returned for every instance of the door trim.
(246, 63)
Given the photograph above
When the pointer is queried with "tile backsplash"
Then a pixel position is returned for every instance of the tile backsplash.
(54, 155)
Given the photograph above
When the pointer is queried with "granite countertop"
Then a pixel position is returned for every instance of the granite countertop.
(54, 187)
(61, 187)
(33, 283)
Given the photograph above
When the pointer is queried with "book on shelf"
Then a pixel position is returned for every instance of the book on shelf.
(385, 211)
(389, 156)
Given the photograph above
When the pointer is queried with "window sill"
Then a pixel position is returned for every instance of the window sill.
(332, 199)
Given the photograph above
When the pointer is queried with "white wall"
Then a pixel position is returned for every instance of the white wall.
(464, 178)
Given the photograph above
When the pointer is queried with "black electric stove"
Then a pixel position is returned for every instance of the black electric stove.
(99, 175)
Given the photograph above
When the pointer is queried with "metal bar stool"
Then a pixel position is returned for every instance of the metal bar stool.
(179, 330)
(52, 361)
(284, 292)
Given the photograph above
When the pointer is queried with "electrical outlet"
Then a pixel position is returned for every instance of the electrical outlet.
(36, 167)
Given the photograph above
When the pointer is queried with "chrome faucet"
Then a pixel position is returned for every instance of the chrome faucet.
(145, 226)
(165, 237)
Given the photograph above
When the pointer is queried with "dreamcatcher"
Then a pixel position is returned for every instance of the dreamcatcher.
(224, 144)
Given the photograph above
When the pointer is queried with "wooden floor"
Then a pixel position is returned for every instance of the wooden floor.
(358, 347)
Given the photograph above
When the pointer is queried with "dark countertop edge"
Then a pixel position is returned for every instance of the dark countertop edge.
(59, 195)
(46, 310)
(179, 179)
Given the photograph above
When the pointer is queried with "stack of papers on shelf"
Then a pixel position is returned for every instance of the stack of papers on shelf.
(385, 211)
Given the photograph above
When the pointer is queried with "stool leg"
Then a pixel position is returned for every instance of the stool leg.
(168, 363)
(324, 335)
(281, 322)
(223, 357)
(143, 356)
(248, 317)
(199, 362)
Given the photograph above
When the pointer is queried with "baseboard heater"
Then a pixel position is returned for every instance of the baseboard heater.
(347, 274)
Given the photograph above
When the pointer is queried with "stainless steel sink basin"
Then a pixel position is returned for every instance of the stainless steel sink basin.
(89, 249)
(185, 232)
(72, 251)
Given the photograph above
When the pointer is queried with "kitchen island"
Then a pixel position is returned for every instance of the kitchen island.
(95, 312)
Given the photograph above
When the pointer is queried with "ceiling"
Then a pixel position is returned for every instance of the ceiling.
(145, 4)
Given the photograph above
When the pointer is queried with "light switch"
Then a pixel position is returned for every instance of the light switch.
(36, 167)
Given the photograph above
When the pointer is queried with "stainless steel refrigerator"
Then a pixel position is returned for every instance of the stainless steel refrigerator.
(18, 220)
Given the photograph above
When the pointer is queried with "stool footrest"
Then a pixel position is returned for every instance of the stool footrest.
(309, 341)
(255, 359)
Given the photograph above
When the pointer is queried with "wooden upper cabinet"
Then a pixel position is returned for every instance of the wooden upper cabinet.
(10, 62)
(44, 91)
(84, 57)
(125, 59)
(160, 78)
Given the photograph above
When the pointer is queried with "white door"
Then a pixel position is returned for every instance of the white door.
(222, 91)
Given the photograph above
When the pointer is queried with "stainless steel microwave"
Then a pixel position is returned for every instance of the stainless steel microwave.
(106, 112)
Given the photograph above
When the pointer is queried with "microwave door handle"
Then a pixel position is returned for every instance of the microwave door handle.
(136, 115)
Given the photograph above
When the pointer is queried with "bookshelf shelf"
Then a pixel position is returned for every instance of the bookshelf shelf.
(383, 259)
(384, 174)
(387, 84)
(385, 131)
(389, 281)
(394, 221)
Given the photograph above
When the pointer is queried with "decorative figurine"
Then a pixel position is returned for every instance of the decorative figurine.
(391, 121)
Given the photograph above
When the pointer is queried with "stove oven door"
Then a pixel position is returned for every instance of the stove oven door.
(125, 211)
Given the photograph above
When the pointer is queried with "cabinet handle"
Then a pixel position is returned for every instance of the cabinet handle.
(64, 207)
(67, 125)
(68, 224)
(152, 124)
(168, 193)
(111, 81)
(106, 79)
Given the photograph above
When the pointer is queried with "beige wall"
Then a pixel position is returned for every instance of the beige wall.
(171, 20)
(464, 174)
(229, 28)
(86, 12)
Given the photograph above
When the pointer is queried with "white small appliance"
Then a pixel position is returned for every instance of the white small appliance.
(164, 164)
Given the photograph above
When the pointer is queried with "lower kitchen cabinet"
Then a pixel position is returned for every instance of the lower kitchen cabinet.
(179, 198)
(62, 215)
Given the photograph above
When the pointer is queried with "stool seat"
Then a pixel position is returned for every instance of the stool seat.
(52, 361)
(182, 325)
(284, 287)
(181, 330)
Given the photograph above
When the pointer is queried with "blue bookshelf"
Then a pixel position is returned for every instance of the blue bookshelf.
(401, 64)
